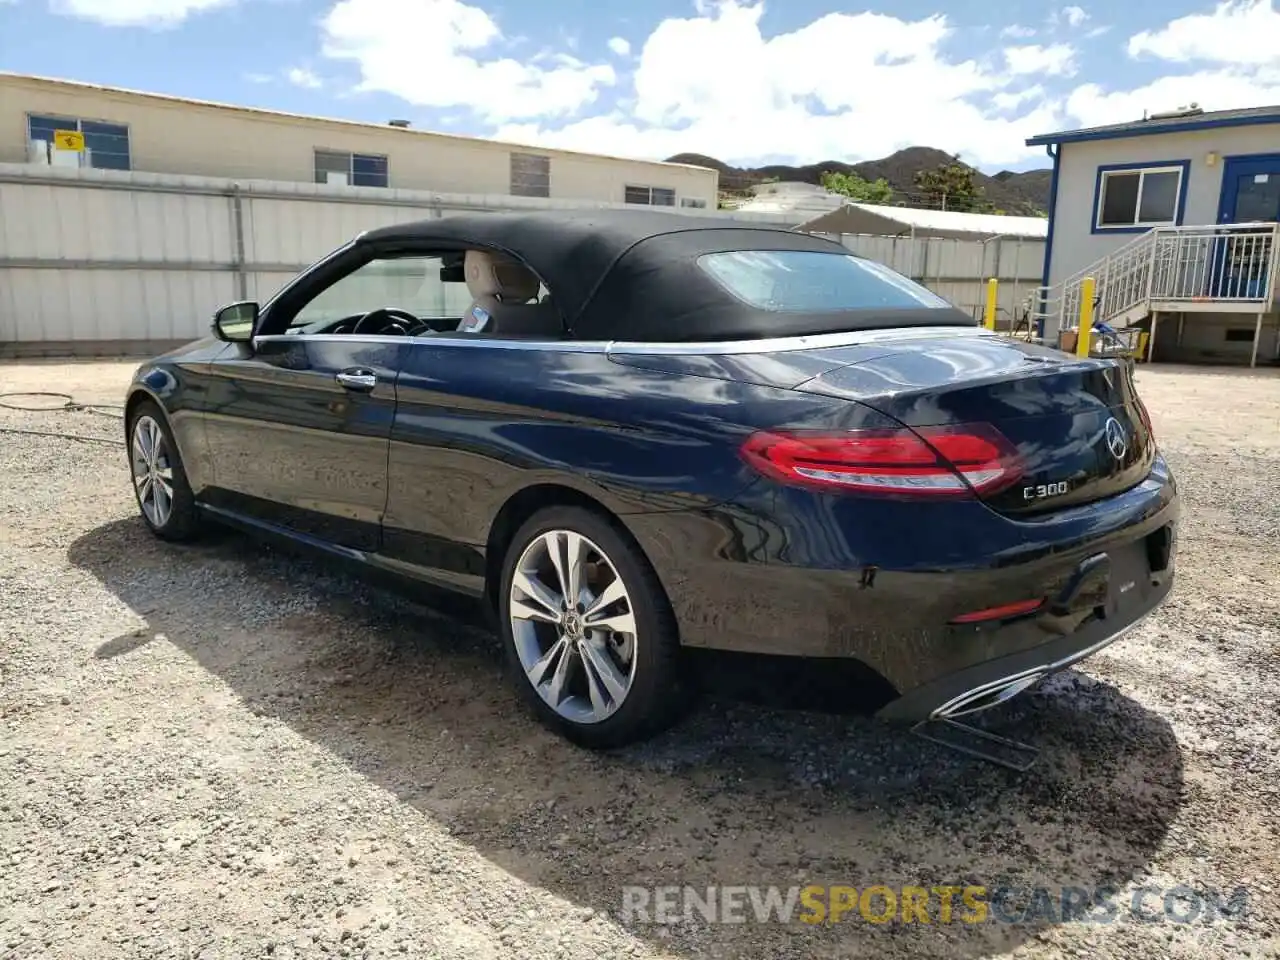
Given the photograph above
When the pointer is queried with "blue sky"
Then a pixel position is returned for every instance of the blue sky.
(748, 82)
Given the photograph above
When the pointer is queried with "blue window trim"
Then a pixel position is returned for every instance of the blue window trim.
(1079, 136)
(1238, 158)
(1185, 166)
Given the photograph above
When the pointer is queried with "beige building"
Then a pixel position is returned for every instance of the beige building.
(1175, 221)
(129, 130)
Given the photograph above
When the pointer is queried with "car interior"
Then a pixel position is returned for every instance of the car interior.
(504, 299)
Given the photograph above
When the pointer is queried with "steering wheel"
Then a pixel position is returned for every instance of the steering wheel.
(365, 323)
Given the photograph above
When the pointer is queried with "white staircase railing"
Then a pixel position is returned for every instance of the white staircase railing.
(1234, 265)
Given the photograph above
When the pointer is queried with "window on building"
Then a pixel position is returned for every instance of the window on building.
(353, 169)
(650, 196)
(1139, 198)
(695, 202)
(106, 145)
(530, 175)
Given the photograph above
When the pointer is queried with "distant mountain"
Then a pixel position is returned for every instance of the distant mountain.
(1015, 193)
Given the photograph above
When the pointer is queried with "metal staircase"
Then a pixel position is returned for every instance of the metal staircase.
(1223, 269)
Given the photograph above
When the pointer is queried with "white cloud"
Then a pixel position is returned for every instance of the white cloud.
(1018, 32)
(259, 77)
(1242, 32)
(136, 13)
(1016, 98)
(1091, 104)
(429, 52)
(1074, 16)
(1235, 48)
(844, 86)
(848, 86)
(302, 77)
(1057, 59)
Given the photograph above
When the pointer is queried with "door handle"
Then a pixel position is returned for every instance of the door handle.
(362, 380)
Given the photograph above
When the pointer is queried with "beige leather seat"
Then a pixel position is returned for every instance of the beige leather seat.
(505, 299)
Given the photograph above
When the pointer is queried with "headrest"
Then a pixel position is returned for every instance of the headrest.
(493, 275)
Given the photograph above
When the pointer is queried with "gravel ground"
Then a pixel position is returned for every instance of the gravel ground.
(226, 751)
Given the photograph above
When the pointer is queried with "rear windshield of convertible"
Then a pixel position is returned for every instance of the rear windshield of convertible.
(810, 281)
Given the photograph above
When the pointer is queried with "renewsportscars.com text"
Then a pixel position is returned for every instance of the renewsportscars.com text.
(815, 904)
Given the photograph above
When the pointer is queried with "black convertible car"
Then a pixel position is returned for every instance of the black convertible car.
(636, 432)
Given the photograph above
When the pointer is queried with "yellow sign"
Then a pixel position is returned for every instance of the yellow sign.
(72, 140)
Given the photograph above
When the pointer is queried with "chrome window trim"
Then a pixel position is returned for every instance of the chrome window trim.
(847, 338)
(817, 341)
(466, 340)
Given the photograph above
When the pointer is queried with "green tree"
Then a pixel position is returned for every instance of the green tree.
(950, 186)
(856, 188)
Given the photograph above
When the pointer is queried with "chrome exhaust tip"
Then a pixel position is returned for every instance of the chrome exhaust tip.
(988, 695)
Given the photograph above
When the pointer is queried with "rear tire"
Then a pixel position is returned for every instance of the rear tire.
(160, 484)
(605, 670)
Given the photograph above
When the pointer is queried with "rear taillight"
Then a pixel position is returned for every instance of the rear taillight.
(926, 462)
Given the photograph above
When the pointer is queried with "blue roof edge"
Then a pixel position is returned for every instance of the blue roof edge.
(1209, 123)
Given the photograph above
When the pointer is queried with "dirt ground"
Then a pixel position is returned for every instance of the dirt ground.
(223, 751)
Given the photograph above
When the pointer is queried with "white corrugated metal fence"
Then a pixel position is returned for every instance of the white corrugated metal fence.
(106, 262)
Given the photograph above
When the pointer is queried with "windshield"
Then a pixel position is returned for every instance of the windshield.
(810, 281)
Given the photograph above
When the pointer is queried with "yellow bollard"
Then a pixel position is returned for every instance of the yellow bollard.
(1141, 353)
(1085, 333)
(989, 318)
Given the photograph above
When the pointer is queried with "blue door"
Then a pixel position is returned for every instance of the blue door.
(1250, 189)
(1250, 194)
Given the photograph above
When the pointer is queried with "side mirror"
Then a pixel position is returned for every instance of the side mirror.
(235, 323)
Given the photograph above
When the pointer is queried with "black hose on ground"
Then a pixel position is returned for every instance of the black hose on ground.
(62, 436)
(69, 404)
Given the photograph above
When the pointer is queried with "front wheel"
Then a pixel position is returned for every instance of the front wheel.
(588, 630)
(159, 481)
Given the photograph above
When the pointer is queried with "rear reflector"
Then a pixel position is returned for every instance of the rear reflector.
(1004, 612)
(928, 462)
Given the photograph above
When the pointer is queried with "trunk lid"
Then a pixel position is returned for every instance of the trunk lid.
(1079, 429)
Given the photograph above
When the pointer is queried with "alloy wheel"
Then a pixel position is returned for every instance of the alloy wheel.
(152, 471)
(574, 626)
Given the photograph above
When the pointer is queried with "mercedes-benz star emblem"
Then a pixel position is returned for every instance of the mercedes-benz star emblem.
(573, 625)
(1114, 435)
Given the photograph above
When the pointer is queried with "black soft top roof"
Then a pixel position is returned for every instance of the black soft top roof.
(633, 275)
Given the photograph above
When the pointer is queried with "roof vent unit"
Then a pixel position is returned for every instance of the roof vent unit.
(402, 124)
(1194, 110)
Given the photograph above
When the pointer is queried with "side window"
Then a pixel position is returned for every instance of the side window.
(425, 286)
(509, 299)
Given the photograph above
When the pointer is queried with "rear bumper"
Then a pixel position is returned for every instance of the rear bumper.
(882, 584)
(994, 681)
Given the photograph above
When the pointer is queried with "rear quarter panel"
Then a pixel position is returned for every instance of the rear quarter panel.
(478, 422)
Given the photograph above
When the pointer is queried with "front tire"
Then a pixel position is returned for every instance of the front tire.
(160, 484)
(588, 630)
